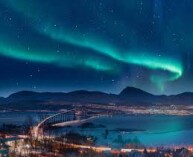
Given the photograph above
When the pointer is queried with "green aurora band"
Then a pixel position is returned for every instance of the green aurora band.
(59, 59)
(59, 33)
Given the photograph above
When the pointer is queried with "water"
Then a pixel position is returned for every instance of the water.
(155, 129)
(20, 118)
(151, 130)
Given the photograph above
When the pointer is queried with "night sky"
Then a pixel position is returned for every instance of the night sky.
(106, 45)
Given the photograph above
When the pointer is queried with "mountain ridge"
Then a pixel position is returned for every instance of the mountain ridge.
(128, 96)
(93, 91)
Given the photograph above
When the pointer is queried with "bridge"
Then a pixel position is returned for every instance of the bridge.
(65, 118)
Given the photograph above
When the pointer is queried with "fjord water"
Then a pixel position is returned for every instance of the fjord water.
(150, 130)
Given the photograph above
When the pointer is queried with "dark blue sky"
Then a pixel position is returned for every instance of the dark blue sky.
(101, 45)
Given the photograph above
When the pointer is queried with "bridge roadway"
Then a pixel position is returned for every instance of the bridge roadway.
(35, 130)
(74, 122)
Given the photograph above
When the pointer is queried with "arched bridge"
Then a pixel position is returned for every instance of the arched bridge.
(66, 118)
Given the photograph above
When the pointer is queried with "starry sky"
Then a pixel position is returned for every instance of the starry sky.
(105, 45)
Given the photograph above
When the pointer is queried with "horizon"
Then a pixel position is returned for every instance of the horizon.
(36, 91)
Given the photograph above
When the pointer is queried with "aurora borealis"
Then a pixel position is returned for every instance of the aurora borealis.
(96, 45)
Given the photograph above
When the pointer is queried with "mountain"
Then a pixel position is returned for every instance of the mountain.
(76, 96)
(2, 99)
(185, 98)
(135, 95)
(128, 96)
(34, 96)
(138, 96)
